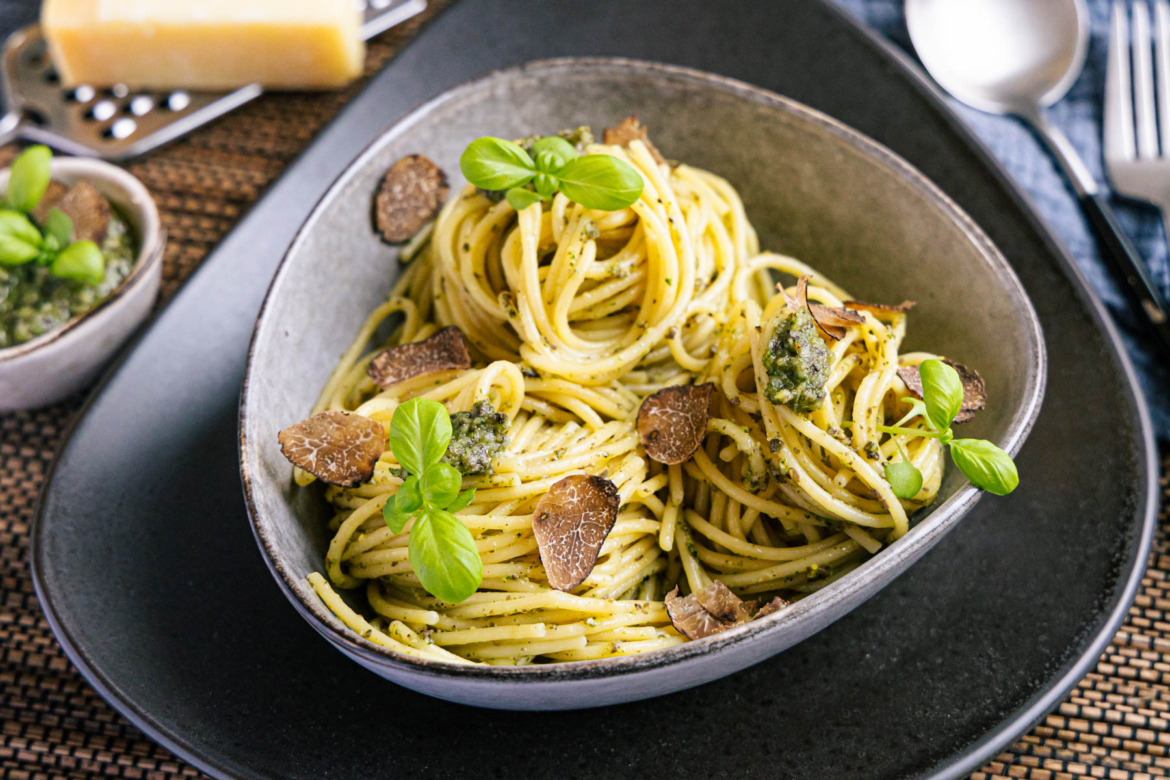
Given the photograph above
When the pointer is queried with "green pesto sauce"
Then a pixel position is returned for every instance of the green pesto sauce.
(477, 437)
(33, 301)
(797, 364)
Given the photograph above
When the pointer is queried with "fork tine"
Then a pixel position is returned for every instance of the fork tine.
(1143, 82)
(1118, 107)
(1162, 55)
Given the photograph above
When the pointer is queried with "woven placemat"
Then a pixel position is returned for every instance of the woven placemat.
(1114, 725)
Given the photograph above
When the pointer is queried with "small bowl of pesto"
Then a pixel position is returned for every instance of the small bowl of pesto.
(81, 250)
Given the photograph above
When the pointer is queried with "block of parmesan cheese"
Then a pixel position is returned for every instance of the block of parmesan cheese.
(205, 44)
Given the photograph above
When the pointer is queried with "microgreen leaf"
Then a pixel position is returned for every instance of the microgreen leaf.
(20, 241)
(904, 477)
(462, 501)
(942, 390)
(81, 261)
(440, 484)
(520, 198)
(549, 162)
(29, 178)
(420, 431)
(917, 409)
(986, 465)
(555, 144)
(496, 164)
(600, 181)
(546, 184)
(59, 226)
(402, 505)
(443, 554)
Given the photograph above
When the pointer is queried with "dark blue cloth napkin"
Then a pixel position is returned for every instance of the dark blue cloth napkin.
(1079, 116)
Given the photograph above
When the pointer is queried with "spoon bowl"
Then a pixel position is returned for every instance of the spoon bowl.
(1001, 56)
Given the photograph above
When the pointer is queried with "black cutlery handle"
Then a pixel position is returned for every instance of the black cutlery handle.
(1128, 267)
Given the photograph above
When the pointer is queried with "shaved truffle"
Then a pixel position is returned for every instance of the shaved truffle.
(714, 608)
(673, 422)
(974, 388)
(412, 192)
(445, 350)
(629, 129)
(690, 619)
(718, 599)
(335, 447)
(829, 320)
(83, 203)
(570, 523)
(49, 201)
(881, 309)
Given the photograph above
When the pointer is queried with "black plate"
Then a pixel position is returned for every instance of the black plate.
(144, 560)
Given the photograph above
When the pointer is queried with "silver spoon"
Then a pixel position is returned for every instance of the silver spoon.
(1018, 57)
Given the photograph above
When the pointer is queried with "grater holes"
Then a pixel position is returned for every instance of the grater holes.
(139, 105)
(123, 128)
(118, 91)
(101, 111)
(82, 94)
(52, 77)
(177, 101)
(35, 116)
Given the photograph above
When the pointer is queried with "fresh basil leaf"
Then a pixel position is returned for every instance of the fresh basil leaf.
(987, 466)
(443, 554)
(81, 261)
(31, 172)
(462, 501)
(558, 146)
(441, 483)
(496, 164)
(520, 198)
(420, 431)
(20, 241)
(59, 226)
(600, 181)
(545, 184)
(402, 505)
(549, 162)
(904, 477)
(942, 390)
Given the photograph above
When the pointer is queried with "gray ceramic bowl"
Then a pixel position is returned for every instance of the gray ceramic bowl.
(813, 188)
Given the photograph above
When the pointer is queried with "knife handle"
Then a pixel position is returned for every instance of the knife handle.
(1129, 268)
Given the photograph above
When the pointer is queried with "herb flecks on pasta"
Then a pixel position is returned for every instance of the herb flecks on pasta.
(806, 454)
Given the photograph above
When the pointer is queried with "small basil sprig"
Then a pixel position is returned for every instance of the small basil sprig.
(596, 181)
(986, 465)
(52, 245)
(442, 551)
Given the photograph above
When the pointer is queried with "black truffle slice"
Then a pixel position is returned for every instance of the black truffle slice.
(570, 523)
(445, 350)
(336, 447)
(412, 192)
(673, 422)
(714, 608)
(629, 129)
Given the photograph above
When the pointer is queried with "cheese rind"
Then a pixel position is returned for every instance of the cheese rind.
(205, 44)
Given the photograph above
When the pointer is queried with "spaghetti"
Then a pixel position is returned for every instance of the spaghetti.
(573, 318)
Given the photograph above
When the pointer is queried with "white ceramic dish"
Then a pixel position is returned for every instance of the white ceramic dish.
(55, 364)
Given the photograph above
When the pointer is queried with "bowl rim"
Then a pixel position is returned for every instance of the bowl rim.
(150, 245)
(918, 540)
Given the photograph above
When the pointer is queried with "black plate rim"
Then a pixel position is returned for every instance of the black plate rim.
(964, 762)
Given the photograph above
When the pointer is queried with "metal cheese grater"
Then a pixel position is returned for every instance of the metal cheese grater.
(117, 123)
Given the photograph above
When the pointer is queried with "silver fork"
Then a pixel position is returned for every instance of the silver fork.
(1134, 120)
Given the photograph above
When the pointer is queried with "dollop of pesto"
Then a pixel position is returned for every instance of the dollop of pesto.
(797, 364)
(477, 437)
(33, 301)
